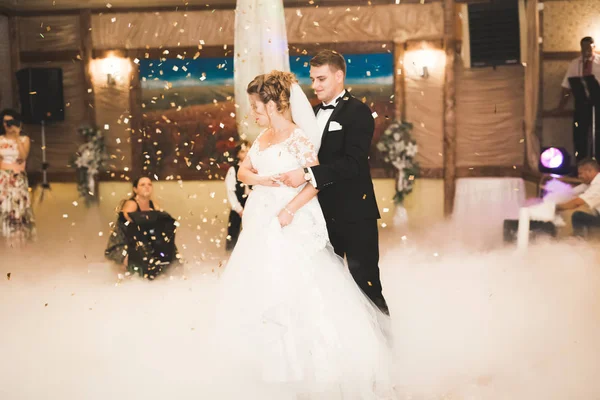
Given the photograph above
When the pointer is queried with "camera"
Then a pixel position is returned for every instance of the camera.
(13, 122)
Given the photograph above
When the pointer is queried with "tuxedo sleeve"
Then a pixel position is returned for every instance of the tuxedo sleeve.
(358, 137)
(230, 182)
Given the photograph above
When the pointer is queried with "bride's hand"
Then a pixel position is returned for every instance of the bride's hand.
(272, 181)
(285, 217)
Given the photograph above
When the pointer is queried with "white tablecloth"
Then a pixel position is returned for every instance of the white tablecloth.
(482, 204)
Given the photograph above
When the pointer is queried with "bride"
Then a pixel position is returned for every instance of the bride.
(294, 322)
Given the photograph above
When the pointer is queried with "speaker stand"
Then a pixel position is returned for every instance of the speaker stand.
(45, 184)
(593, 152)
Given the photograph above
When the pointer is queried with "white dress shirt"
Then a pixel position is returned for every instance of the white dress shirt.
(576, 69)
(322, 119)
(230, 182)
(590, 193)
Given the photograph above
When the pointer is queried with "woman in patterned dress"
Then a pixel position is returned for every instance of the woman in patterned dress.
(16, 218)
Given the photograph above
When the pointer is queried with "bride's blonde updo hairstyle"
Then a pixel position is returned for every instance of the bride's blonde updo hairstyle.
(275, 86)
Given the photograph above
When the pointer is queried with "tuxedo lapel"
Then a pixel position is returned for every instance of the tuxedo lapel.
(334, 114)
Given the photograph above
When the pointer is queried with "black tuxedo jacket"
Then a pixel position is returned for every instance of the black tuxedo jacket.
(343, 176)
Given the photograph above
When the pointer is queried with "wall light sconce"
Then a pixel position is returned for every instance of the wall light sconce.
(425, 60)
(112, 71)
(113, 68)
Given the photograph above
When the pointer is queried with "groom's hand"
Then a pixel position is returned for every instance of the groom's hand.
(293, 178)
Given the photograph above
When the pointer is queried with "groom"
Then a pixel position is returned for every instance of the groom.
(343, 177)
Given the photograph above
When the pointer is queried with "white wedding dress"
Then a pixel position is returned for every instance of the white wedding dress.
(291, 322)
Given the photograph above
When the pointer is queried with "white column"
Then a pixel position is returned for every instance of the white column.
(260, 46)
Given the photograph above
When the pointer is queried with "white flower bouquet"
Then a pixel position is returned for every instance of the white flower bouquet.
(399, 150)
(88, 161)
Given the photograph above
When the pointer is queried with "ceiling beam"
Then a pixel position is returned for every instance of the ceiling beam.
(5, 10)
(33, 12)
(560, 55)
(227, 5)
(32, 57)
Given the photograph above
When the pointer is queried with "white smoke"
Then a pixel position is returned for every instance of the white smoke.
(468, 324)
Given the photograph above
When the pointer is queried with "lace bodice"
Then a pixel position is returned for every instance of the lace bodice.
(308, 227)
(295, 152)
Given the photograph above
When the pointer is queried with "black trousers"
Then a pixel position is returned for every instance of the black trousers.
(582, 221)
(233, 230)
(582, 128)
(359, 243)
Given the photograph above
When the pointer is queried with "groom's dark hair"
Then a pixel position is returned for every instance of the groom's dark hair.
(329, 57)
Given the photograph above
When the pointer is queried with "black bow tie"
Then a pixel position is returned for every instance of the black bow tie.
(331, 106)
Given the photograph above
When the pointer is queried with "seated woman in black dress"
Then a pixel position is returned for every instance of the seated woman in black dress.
(141, 199)
(143, 237)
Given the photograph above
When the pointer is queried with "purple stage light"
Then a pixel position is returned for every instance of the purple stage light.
(552, 158)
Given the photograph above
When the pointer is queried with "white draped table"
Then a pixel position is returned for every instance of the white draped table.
(482, 204)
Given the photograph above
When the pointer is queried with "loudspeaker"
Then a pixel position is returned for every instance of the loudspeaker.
(41, 93)
(492, 33)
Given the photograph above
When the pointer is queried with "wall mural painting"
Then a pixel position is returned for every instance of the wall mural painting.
(189, 110)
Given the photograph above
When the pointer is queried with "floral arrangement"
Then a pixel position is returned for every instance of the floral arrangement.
(399, 149)
(88, 160)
